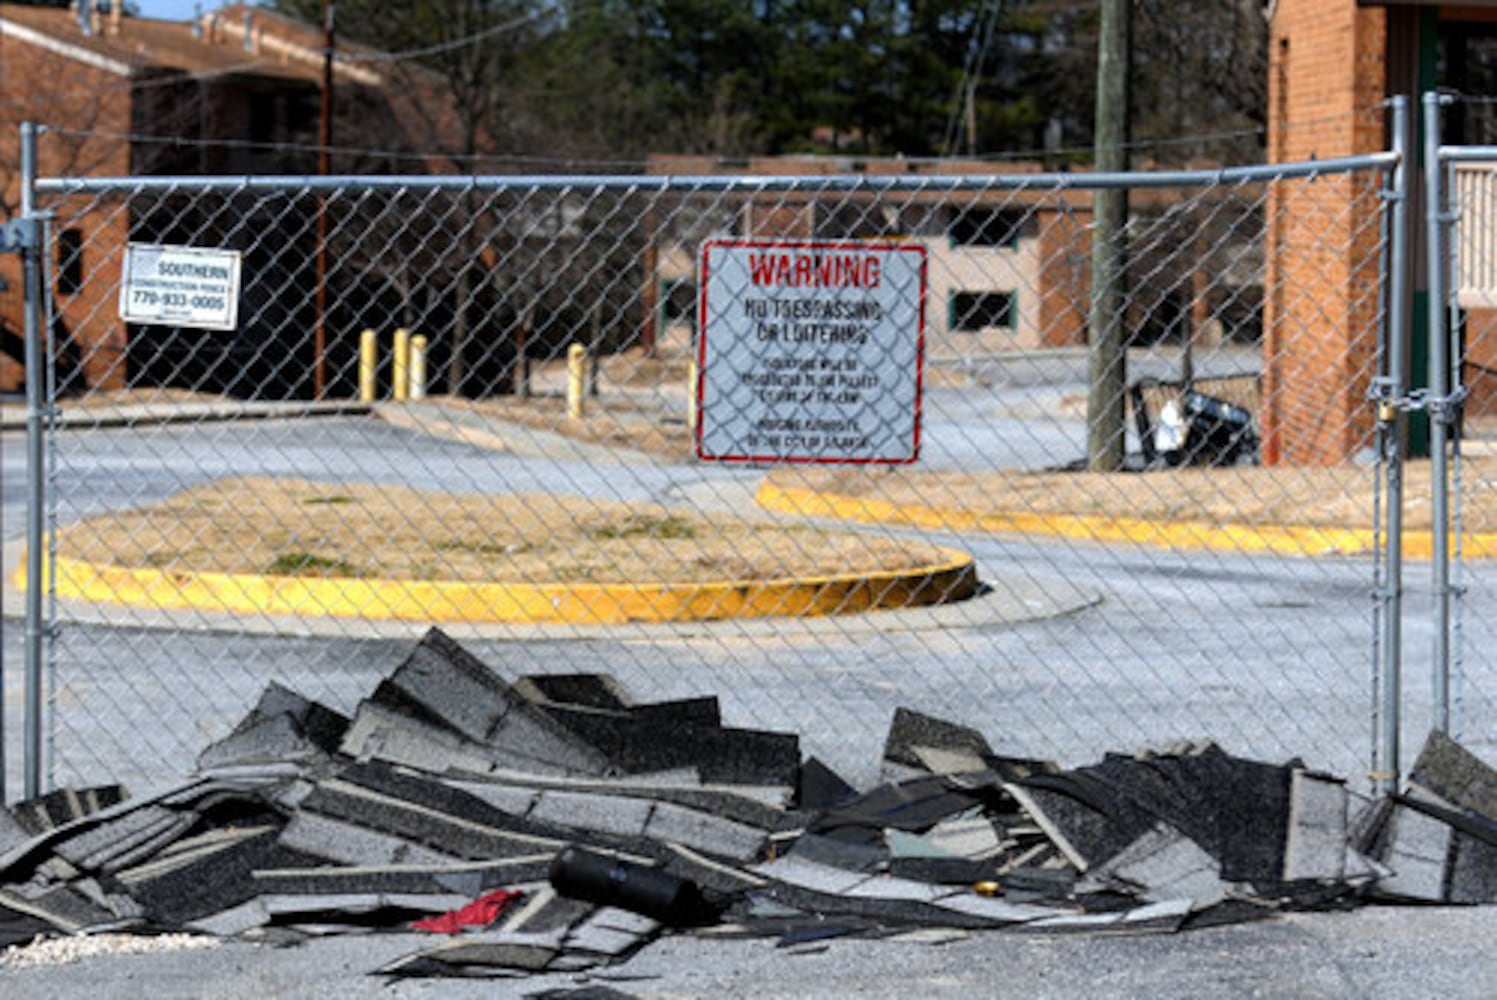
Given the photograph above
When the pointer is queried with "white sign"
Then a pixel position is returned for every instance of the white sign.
(180, 286)
(810, 351)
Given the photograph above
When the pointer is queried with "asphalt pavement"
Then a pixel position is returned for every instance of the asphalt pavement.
(1074, 649)
(1368, 954)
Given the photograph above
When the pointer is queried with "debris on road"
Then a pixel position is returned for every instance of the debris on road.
(49, 951)
(550, 823)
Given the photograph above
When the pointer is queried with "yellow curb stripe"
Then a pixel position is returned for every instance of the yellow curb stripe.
(1283, 539)
(477, 603)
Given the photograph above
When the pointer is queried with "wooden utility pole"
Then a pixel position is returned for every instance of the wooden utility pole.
(1108, 360)
(324, 143)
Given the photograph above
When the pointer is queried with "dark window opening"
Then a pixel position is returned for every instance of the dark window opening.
(972, 312)
(1468, 65)
(985, 227)
(844, 221)
(678, 301)
(262, 118)
(69, 262)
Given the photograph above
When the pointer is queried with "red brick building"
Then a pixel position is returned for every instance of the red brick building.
(1332, 63)
(237, 92)
(1007, 269)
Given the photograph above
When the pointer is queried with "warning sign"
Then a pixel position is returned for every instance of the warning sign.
(810, 351)
(180, 286)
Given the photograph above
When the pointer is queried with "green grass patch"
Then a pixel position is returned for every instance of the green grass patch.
(335, 498)
(308, 564)
(646, 526)
(172, 559)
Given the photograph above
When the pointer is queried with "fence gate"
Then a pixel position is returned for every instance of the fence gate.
(227, 491)
(1462, 226)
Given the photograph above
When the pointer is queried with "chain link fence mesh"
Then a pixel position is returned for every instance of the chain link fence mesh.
(1218, 588)
(1471, 265)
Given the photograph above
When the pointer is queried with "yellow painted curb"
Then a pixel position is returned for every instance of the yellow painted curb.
(477, 603)
(1304, 540)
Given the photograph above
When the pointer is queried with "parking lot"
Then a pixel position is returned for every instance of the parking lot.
(1073, 649)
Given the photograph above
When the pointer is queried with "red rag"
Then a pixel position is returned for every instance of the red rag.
(480, 913)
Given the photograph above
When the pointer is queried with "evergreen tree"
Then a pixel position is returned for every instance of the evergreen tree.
(616, 79)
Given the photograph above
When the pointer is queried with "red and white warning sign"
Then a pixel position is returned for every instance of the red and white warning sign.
(810, 351)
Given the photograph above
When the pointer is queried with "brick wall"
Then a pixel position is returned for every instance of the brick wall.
(178, 91)
(1479, 357)
(93, 100)
(1326, 82)
(1064, 282)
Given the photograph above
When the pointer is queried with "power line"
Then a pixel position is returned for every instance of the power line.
(459, 159)
(440, 47)
(343, 55)
(476, 159)
(987, 20)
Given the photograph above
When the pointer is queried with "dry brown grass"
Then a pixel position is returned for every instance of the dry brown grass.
(617, 423)
(109, 398)
(306, 528)
(297, 527)
(636, 368)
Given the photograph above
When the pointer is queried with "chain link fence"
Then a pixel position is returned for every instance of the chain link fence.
(1463, 682)
(781, 479)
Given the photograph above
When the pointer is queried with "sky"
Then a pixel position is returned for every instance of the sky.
(175, 10)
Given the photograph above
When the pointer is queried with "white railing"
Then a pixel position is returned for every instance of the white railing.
(1476, 244)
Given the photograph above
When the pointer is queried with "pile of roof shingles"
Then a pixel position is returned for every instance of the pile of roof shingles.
(584, 825)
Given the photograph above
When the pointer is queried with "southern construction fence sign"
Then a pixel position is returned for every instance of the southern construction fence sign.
(180, 286)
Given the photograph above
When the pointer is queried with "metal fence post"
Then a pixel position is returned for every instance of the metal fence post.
(1440, 412)
(35, 480)
(1393, 427)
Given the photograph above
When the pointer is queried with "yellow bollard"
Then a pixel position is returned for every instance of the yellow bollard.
(401, 374)
(418, 366)
(576, 379)
(691, 395)
(368, 365)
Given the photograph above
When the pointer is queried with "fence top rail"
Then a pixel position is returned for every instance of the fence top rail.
(688, 183)
(1467, 154)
